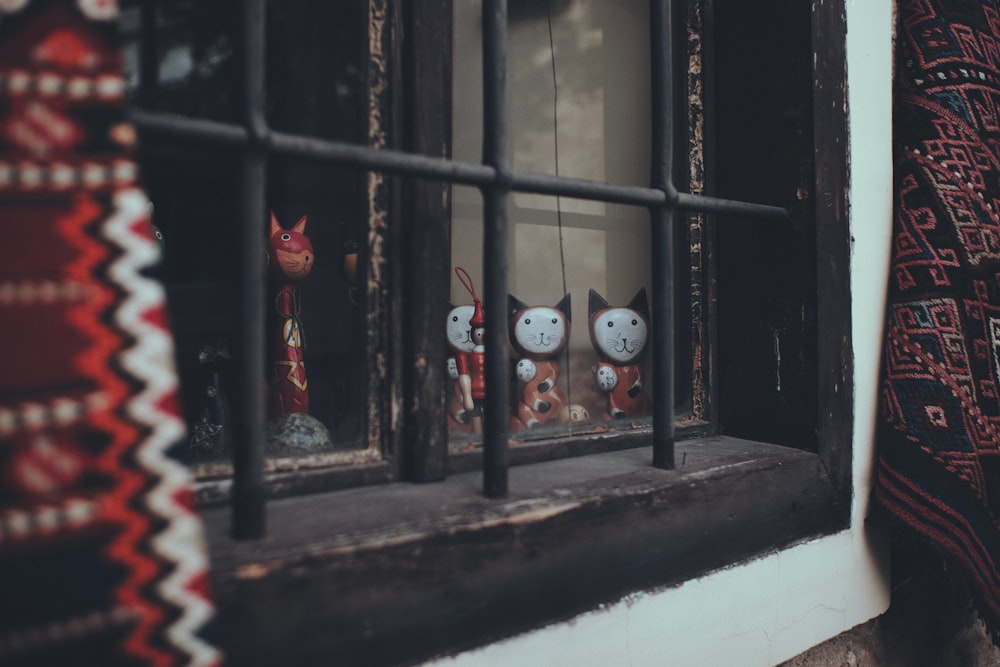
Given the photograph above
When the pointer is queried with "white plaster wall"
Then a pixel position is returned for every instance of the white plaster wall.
(769, 610)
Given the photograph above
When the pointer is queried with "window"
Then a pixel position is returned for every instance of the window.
(343, 114)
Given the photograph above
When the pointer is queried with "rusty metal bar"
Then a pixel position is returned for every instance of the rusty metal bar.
(662, 232)
(196, 130)
(495, 233)
(249, 509)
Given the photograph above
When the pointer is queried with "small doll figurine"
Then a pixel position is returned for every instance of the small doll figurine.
(290, 259)
(619, 337)
(539, 334)
(459, 333)
(472, 365)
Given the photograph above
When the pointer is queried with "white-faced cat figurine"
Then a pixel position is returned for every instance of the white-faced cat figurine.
(619, 334)
(460, 343)
(539, 334)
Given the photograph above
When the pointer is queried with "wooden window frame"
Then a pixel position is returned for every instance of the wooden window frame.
(383, 574)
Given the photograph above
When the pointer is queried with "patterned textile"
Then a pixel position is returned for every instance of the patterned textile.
(938, 471)
(101, 556)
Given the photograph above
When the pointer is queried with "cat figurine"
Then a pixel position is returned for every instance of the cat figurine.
(459, 334)
(290, 258)
(538, 334)
(619, 335)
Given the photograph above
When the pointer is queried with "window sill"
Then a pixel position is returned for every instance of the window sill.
(401, 572)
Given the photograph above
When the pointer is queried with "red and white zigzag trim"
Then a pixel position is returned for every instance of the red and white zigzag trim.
(150, 360)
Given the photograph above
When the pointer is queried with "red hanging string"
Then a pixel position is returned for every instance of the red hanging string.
(466, 280)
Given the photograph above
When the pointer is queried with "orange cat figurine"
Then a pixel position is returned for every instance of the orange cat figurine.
(539, 334)
(619, 334)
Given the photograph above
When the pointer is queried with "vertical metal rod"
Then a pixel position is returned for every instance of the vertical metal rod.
(248, 509)
(495, 234)
(662, 233)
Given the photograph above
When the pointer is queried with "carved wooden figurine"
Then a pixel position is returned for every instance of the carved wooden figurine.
(618, 334)
(539, 334)
(290, 259)
(459, 334)
(472, 365)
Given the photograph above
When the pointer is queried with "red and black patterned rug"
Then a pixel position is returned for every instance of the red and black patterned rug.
(938, 473)
(102, 560)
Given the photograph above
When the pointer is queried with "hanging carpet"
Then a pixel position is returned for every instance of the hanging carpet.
(938, 469)
(102, 560)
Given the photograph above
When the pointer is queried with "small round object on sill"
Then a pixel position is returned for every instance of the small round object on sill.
(297, 433)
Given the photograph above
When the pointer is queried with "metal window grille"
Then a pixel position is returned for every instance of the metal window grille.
(496, 180)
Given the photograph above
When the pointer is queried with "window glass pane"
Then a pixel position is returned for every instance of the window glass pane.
(327, 305)
(578, 76)
(181, 55)
(182, 60)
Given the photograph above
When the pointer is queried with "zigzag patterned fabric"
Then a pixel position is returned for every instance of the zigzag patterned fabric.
(102, 559)
(938, 473)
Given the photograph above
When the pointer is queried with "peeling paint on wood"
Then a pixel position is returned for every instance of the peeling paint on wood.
(378, 195)
(696, 222)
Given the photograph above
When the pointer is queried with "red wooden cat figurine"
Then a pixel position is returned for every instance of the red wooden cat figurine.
(619, 337)
(290, 259)
(539, 334)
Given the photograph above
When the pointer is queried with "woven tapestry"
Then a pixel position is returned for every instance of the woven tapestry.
(938, 473)
(101, 555)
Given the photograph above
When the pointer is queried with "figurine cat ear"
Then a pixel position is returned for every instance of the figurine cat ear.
(595, 304)
(514, 305)
(299, 227)
(639, 304)
(564, 308)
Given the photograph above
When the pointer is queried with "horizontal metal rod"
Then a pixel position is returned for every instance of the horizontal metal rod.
(192, 130)
(579, 188)
(180, 127)
(703, 204)
(383, 159)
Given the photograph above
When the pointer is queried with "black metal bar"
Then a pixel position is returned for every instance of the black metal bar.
(196, 130)
(662, 233)
(248, 509)
(495, 232)
(189, 130)
(703, 204)
(381, 159)
(579, 188)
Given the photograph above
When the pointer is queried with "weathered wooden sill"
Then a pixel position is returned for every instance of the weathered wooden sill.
(397, 573)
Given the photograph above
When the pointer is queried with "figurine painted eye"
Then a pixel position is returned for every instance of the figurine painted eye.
(527, 321)
(611, 324)
(635, 322)
(555, 321)
(286, 237)
(454, 318)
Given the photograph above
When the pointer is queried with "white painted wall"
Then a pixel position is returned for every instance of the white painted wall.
(775, 607)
